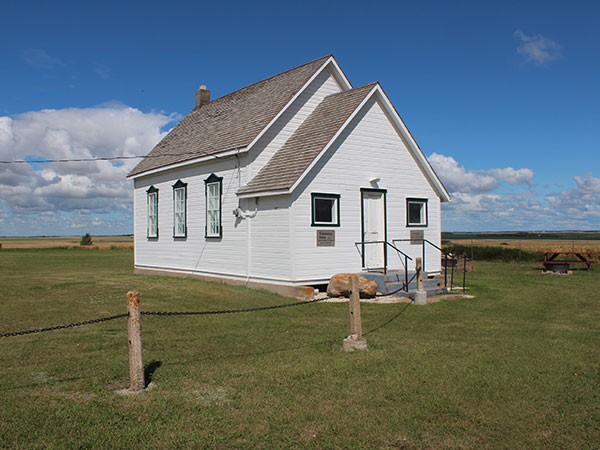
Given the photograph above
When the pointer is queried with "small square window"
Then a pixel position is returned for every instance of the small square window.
(416, 212)
(325, 210)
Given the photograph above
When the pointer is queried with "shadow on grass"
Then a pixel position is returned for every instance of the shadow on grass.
(149, 371)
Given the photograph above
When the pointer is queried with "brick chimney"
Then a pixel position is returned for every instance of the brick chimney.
(202, 96)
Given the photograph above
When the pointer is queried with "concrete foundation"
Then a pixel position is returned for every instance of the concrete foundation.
(287, 290)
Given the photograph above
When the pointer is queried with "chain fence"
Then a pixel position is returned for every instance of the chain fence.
(158, 313)
(62, 327)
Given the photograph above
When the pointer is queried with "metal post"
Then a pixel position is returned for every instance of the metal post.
(134, 331)
(405, 273)
(384, 257)
(445, 270)
(452, 272)
(464, 273)
(355, 341)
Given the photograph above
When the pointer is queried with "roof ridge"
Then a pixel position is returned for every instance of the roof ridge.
(354, 89)
(267, 79)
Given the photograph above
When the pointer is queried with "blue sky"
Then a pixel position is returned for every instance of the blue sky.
(503, 98)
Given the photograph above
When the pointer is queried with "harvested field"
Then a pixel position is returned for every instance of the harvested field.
(99, 242)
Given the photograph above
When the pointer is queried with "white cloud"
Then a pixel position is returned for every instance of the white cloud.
(61, 189)
(37, 57)
(537, 49)
(512, 176)
(457, 179)
(588, 184)
(478, 204)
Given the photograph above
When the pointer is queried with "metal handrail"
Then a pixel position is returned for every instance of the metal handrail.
(406, 258)
(446, 254)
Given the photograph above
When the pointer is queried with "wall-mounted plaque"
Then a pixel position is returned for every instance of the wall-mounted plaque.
(325, 238)
(416, 237)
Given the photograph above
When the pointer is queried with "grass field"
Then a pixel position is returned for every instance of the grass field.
(516, 367)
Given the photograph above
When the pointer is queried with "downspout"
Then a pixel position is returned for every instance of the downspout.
(251, 215)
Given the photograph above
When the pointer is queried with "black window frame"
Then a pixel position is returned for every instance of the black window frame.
(336, 197)
(423, 201)
(180, 185)
(213, 179)
(151, 191)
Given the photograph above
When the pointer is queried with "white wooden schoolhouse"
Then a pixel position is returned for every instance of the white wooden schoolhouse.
(286, 182)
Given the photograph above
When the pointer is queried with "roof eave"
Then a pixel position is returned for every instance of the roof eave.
(264, 193)
(212, 157)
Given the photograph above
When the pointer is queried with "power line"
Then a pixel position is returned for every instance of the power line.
(103, 158)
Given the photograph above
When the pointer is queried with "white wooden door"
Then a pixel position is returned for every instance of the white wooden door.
(373, 228)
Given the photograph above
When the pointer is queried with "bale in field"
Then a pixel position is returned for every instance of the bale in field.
(86, 239)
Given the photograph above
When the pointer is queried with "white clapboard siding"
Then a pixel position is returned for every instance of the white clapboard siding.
(195, 253)
(369, 147)
(269, 238)
(323, 85)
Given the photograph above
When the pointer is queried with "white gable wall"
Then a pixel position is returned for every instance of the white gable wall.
(369, 147)
(263, 150)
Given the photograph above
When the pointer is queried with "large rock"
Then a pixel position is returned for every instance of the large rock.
(340, 286)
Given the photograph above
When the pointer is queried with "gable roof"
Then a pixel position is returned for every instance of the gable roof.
(230, 122)
(301, 149)
(306, 146)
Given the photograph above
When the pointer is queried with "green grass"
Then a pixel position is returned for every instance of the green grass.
(516, 367)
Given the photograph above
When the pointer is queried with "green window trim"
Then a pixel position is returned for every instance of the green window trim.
(152, 213)
(320, 210)
(422, 211)
(180, 210)
(213, 194)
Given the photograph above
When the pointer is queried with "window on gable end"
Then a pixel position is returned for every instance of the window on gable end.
(416, 212)
(180, 209)
(213, 192)
(152, 202)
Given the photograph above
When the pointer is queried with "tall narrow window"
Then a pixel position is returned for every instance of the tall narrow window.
(416, 212)
(179, 209)
(152, 200)
(213, 206)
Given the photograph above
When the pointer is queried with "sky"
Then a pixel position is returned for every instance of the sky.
(502, 97)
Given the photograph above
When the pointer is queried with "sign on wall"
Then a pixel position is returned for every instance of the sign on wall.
(417, 236)
(325, 238)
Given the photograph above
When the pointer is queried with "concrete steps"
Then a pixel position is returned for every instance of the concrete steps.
(392, 283)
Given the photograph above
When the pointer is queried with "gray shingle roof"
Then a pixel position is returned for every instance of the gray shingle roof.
(290, 162)
(229, 122)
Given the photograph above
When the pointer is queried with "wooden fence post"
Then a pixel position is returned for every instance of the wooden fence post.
(134, 332)
(420, 293)
(355, 341)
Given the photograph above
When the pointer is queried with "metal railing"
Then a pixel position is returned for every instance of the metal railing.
(445, 253)
(387, 244)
